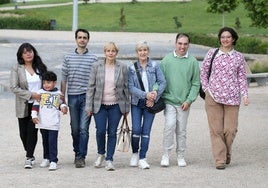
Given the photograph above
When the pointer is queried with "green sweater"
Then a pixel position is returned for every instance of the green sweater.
(183, 79)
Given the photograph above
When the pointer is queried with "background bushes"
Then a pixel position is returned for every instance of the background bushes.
(249, 44)
(24, 23)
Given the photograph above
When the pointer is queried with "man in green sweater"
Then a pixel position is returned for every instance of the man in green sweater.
(181, 71)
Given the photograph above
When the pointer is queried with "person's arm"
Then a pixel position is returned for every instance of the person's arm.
(63, 91)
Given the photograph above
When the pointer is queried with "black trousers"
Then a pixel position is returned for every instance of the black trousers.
(28, 133)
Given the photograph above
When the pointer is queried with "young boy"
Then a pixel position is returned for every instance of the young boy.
(46, 116)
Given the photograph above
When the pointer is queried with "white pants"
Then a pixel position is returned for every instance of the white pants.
(175, 122)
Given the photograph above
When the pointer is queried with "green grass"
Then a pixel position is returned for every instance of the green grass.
(146, 17)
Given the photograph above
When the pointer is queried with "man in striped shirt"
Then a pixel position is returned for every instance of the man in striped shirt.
(75, 74)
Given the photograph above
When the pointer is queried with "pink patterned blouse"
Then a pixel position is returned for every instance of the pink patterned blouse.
(228, 81)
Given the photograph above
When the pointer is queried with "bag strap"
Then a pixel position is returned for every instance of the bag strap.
(212, 58)
(139, 76)
(125, 123)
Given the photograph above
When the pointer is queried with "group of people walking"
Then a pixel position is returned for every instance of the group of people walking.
(109, 89)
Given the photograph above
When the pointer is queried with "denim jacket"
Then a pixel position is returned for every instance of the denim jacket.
(154, 75)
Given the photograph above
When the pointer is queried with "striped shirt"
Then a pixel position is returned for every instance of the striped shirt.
(75, 71)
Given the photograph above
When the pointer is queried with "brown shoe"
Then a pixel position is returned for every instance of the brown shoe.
(220, 166)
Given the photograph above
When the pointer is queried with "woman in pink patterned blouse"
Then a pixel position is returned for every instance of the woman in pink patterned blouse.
(224, 88)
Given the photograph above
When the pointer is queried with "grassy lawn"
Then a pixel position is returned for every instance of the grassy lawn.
(145, 17)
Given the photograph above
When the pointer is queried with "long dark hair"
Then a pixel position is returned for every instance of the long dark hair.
(37, 64)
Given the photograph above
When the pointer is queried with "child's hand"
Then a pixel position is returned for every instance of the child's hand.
(35, 120)
(64, 110)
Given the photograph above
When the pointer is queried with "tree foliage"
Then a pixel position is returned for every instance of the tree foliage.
(221, 6)
(258, 12)
(257, 9)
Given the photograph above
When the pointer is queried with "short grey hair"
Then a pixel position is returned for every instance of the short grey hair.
(142, 44)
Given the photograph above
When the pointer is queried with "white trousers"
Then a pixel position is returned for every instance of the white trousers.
(175, 124)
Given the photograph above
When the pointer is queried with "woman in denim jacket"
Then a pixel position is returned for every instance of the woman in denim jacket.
(154, 84)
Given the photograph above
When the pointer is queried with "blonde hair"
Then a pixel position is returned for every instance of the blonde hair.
(110, 45)
(142, 44)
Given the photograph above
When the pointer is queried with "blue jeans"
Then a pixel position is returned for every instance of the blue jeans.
(50, 144)
(142, 121)
(108, 119)
(79, 124)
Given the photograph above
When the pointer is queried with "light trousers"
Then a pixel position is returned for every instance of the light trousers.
(175, 124)
(223, 123)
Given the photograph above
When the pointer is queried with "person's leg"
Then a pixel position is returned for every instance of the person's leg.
(31, 140)
(136, 118)
(45, 142)
(215, 116)
(114, 116)
(23, 122)
(101, 123)
(84, 127)
(148, 119)
(170, 126)
(230, 128)
(53, 145)
(181, 131)
(74, 110)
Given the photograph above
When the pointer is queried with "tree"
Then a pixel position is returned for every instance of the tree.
(258, 12)
(222, 6)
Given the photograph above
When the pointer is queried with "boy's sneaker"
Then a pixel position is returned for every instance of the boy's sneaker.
(109, 166)
(134, 160)
(52, 166)
(143, 164)
(29, 163)
(98, 162)
(165, 161)
(45, 163)
(181, 162)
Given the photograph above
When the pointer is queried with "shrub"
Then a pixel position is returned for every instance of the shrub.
(4, 1)
(259, 66)
(24, 23)
(249, 44)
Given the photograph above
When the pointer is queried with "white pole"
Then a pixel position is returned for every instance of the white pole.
(75, 14)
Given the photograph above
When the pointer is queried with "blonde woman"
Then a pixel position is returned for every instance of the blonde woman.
(107, 99)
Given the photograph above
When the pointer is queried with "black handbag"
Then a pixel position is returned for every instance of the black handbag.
(159, 105)
(202, 94)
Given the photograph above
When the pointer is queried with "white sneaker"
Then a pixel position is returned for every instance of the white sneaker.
(181, 162)
(45, 163)
(52, 166)
(134, 160)
(143, 164)
(109, 166)
(98, 162)
(165, 161)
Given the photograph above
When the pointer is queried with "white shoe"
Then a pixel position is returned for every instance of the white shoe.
(109, 166)
(165, 161)
(45, 163)
(52, 166)
(143, 164)
(181, 162)
(134, 160)
(98, 162)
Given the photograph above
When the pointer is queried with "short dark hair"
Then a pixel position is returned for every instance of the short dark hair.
(230, 30)
(82, 30)
(49, 76)
(179, 35)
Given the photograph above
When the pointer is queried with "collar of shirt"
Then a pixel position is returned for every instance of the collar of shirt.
(228, 53)
(83, 53)
(185, 56)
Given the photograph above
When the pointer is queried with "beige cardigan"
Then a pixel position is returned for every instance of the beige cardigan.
(19, 86)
